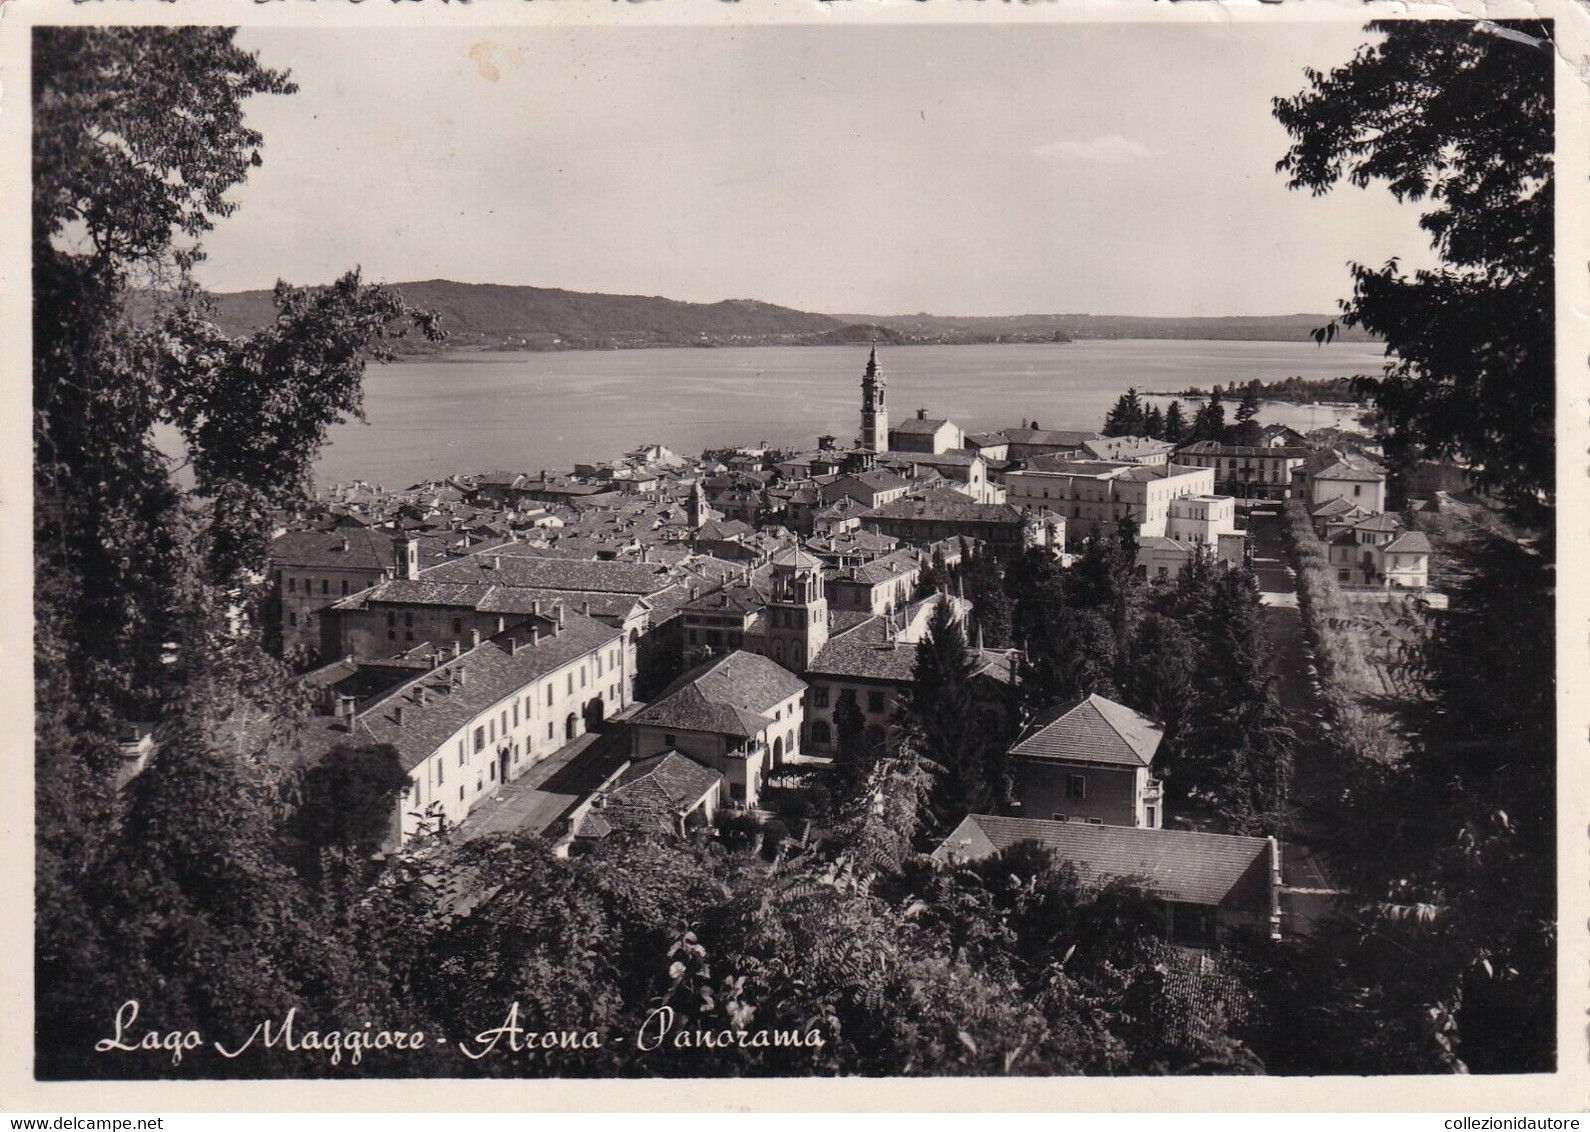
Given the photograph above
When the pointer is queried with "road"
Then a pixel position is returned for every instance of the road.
(535, 801)
(1303, 860)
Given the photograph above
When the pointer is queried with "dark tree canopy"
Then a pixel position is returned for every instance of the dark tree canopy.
(1458, 118)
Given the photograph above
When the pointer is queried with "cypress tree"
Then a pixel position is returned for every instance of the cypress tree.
(1173, 427)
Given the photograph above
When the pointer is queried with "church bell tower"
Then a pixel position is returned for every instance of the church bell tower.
(798, 612)
(874, 416)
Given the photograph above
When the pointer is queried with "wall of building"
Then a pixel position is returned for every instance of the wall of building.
(879, 701)
(515, 733)
(1368, 495)
(302, 591)
(1114, 795)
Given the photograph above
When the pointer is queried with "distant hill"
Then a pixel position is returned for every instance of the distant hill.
(487, 316)
(490, 316)
(1041, 327)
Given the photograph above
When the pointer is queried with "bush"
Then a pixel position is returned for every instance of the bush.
(737, 829)
(774, 834)
(794, 808)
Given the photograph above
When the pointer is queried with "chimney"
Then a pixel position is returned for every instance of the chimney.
(513, 646)
(347, 708)
(457, 650)
(463, 675)
(496, 562)
(921, 414)
(420, 696)
(535, 634)
(474, 638)
(585, 609)
(399, 715)
(560, 615)
(535, 607)
(344, 545)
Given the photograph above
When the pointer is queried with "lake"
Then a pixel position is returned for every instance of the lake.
(474, 412)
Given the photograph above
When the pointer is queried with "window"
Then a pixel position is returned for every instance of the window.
(460, 793)
(875, 702)
(480, 739)
(670, 741)
(1076, 786)
(292, 618)
(820, 697)
(325, 587)
(292, 585)
(549, 731)
(571, 683)
(491, 732)
(1058, 817)
(582, 675)
(492, 771)
(391, 634)
(1358, 489)
(391, 617)
(458, 624)
(440, 768)
(1344, 575)
(460, 752)
(515, 714)
(345, 587)
(505, 720)
(820, 733)
(408, 619)
(549, 694)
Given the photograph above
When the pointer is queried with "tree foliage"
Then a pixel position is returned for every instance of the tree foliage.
(1457, 117)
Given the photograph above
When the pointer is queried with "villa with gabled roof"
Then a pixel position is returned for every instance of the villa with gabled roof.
(1089, 760)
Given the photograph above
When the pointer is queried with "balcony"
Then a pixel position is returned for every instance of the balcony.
(1153, 791)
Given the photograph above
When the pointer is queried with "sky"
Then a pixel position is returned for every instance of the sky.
(1107, 169)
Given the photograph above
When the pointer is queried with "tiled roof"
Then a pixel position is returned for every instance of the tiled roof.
(1119, 447)
(494, 672)
(346, 548)
(1331, 464)
(1192, 868)
(1095, 730)
(866, 652)
(843, 620)
(1409, 542)
(1341, 470)
(881, 570)
(797, 558)
(943, 509)
(1159, 542)
(1336, 505)
(986, 439)
(1378, 523)
(499, 479)
(523, 569)
(733, 599)
(918, 426)
(1063, 465)
(728, 695)
(930, 459)
(1215, 448)
(1060, 438)
(679, 780)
